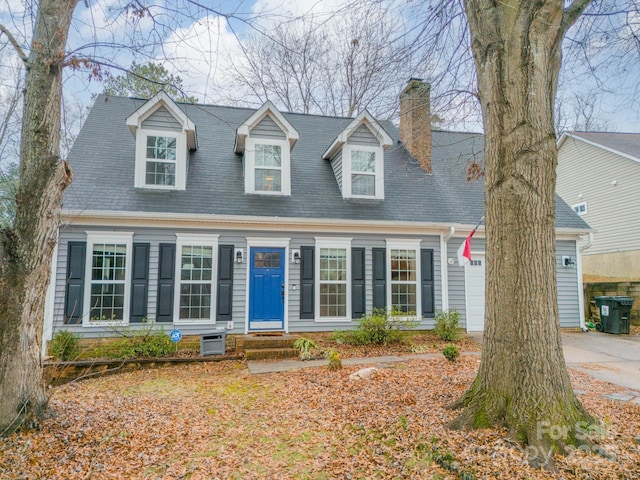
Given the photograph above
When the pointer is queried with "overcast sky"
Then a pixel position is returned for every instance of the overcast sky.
(200, 45)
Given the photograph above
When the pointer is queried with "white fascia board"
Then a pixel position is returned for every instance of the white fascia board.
(373, 125)
(242, 131)
(566, 135)
(134, 121)
(237, 222)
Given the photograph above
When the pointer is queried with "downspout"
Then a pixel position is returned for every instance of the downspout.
(49, 303)
(444, 267)
(579, 250)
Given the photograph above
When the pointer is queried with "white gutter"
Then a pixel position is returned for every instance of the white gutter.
(238, 222)
(444, 267)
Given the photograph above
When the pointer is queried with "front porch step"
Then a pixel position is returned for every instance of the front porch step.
(255, 342)
(267, 353)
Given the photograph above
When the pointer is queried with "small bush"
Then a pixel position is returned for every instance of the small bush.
(65, 346)
(447, 324)
(451, 352)
(335, 363)
(378, 328)
(136, 342)
(305, 346)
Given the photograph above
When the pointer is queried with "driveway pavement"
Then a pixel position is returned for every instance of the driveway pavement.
(612, 358)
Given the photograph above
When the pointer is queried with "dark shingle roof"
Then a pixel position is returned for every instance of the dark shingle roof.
(627, 143)
(103, 164)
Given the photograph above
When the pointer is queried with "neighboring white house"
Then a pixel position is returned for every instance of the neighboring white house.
(599, 177)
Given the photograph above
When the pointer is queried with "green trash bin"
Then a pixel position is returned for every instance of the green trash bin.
(615, 313)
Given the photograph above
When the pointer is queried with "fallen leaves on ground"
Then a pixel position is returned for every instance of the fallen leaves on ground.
(216, 421)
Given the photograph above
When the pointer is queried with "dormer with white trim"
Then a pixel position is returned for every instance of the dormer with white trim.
(266, 139)
(357, 158)
(164, 137)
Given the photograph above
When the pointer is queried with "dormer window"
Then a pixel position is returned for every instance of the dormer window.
(267, 166)
(164, 137)
(161, 160)
(357, 158)
(266, 139)
(366, 170)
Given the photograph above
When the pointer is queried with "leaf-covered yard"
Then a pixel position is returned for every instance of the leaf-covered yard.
(215, 420)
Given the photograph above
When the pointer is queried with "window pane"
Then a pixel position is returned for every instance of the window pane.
(107, 302)
(363, 161)
(196, 263)
(267, 180)
(403, 297)
(268, 155)
(161, 173)
(333, 264)
(403, 265)
(195, 301)
(161, 148)
(363, 184)
(109, 262)
(333, 300)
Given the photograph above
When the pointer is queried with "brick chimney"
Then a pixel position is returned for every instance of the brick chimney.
(415, 121)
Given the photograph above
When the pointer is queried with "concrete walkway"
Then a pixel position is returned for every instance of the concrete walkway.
(611, 358)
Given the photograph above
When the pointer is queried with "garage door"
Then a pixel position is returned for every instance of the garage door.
(474, 293)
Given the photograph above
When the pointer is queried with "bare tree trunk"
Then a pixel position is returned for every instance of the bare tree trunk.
(25, 252)
(522, 382)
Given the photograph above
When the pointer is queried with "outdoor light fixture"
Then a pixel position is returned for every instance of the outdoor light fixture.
(295, 256)
(568, 262)
(239, 253)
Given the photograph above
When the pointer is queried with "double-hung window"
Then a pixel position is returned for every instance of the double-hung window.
(404, 274)
(267, 166)
(363, 171)
(107, 285)
(161, 156)
(333, 273)
(161, 159)
(195, 273)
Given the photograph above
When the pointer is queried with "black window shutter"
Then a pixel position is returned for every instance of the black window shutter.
(139, 282)
(225, 283)
(166, 271)
(379, 278)
(357, 283)
(426, 267)
(307, 288)
(74, 292)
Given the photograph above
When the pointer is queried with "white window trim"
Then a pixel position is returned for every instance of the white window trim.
(328, 242)
(580, 205)
(93, 238)
(250, 169)
(141, 158)
(196, 240)
(346, 170)
(405, 244)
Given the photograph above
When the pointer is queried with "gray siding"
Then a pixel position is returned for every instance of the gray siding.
(363, 136)
(568, 292)
(588, 171)
(567, 281)
(162, 119)
(336, 164)
(267, 128)
(155, 236)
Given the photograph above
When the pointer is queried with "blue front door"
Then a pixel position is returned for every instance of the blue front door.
(266, 289)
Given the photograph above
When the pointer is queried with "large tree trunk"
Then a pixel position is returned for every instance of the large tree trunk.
(522, 381)
(25, 252)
